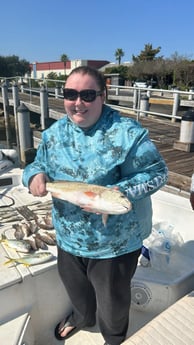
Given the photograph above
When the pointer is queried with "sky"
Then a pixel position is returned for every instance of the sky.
(41, 31)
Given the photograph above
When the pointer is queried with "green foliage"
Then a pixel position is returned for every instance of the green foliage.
(122, 70)
(64, 58)
(11, 66)
(119, 53)
(148, 54)
(177, 70)
(52, 76)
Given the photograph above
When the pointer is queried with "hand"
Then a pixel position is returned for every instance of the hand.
(192, 199)
(37, 185)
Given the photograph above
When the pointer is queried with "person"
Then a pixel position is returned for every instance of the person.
(93, 143)
(192, 192)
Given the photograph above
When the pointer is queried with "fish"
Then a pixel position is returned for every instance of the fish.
(51, 234)
(32, 242)
(91, 197)
(30, 260)
(40, 244)
(19, 245)
(45, 222)
(18, 233)
(46, 239)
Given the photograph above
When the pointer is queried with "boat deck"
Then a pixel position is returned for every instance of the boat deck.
(36, 294)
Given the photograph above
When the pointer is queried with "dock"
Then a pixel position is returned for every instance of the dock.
(163, 132)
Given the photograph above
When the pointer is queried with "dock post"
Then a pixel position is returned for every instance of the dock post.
(144, 105)
(4, 89)
(44, 106)
(186, 140)
(175, 106)
(24, 130)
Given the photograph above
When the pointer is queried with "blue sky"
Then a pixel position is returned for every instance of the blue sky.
(89, 29)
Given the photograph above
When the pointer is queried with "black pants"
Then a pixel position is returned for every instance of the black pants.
(102, 285)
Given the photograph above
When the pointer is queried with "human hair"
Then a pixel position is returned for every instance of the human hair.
(97, 75)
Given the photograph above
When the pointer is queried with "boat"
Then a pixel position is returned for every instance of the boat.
(33, 299)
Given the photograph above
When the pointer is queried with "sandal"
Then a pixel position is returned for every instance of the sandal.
(59, 330)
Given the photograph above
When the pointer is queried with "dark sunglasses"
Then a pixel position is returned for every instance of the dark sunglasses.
(87, 95)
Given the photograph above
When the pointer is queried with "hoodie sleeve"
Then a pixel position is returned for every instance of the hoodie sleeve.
(144, 171)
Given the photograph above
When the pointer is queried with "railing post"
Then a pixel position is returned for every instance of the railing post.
(135, 98)
(44, 106)
(149, 91)
(4, 89)
(175, 106)
(190, 97)
(57, 91)
(24, 130)
(16, 103)
(22, 86)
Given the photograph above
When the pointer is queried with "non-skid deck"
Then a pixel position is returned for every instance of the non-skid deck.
(174, 326)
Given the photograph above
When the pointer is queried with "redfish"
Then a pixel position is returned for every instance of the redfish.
(90, 197)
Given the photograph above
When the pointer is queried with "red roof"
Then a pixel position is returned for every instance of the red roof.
(59, 65)
(45, 66)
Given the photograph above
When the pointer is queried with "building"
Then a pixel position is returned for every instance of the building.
(40, 70)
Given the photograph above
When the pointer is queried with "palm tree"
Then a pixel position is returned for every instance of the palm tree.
(64, 58)
(119, 53)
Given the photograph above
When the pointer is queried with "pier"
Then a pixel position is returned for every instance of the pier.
(162, 130)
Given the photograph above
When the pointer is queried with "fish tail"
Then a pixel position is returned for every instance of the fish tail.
(9, 261)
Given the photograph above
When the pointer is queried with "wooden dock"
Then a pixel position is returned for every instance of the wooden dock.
(180, 163)
(163, 132)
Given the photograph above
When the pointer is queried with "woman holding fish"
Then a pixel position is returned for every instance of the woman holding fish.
(102, 169)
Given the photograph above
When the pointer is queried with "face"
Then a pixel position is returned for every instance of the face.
(84, 114)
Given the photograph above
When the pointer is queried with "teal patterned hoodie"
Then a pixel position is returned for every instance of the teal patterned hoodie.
(116, 151)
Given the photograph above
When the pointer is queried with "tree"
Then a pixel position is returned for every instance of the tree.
(121, 70)
(148, 54)
(11, 66)
(64, 58)
(119, 53)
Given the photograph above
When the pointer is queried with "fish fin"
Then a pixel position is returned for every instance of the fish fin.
(104, 219)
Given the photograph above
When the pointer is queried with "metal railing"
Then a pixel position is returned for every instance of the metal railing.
(129, 99)
(36, 96)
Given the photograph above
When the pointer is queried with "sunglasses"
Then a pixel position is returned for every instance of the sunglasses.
(87, 95)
